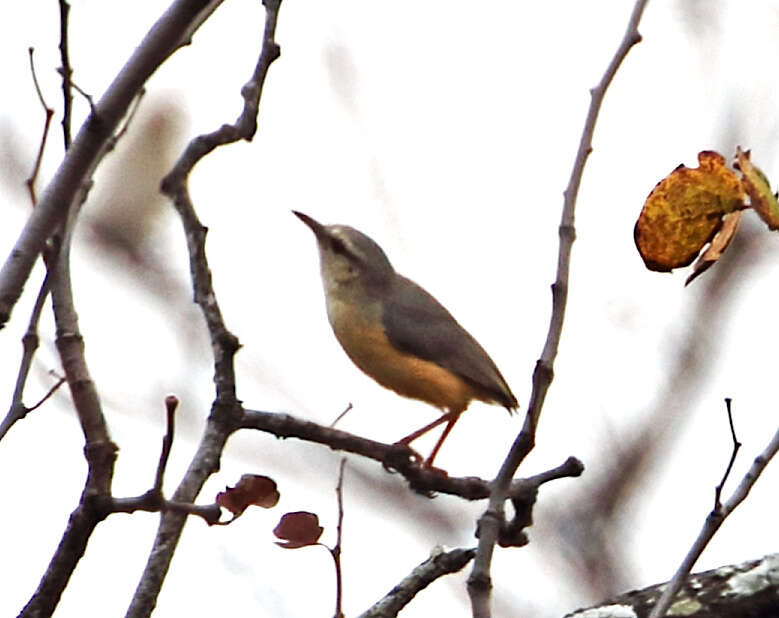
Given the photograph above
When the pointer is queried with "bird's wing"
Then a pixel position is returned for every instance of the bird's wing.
(418, 324)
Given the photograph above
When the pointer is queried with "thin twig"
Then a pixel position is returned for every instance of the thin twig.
(171, 403)
(736, 446)
(48, 113)
(67, 73)
(341, 415)
(479, 582)
(60, 381)
(30, 341)
(74, 86)
(712, 524)
(336, 551)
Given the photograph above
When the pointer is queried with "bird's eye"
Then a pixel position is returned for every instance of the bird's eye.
(338, 246)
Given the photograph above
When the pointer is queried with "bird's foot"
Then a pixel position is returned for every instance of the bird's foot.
(400, 456)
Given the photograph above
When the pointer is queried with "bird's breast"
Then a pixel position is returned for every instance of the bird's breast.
(361, 334)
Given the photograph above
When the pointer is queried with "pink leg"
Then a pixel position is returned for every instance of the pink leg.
(420, 432)
(452, 420)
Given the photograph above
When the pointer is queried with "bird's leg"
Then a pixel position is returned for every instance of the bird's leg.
(452, 420)
(421, 432)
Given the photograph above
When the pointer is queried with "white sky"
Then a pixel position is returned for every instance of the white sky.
(446, 132)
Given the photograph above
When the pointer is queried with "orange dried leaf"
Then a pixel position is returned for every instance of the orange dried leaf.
(756, 185)
(251, 489)
(719, 243)
(298, 529)
(685, 210)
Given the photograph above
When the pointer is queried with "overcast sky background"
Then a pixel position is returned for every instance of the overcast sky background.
(446, 131)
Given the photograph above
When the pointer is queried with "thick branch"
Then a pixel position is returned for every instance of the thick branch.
(71, 548)
(747, 589)
(161, 41)
(226, 412)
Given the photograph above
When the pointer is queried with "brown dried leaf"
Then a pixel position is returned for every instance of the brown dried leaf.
(251, 489)
(719, 243)
(685, 210)
(298, 529)
(756, 185)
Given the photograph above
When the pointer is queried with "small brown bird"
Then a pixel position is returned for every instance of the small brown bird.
(398, 334)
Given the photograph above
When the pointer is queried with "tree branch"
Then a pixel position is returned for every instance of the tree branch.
(747, 589)
(99, 449)
(67, 72)
(226, 412)
(712, 524)
(335, 552)
(48, 114)
(439, 564)
(161, 41)
(479, 582)
(733, 454)
(399, 457)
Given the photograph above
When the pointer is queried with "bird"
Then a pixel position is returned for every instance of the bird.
(399, 334)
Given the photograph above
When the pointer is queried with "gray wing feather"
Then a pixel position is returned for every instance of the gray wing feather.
(418, 324)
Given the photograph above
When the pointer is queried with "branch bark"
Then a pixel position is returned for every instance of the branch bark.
(399, 457)
(165, 37)
(226, 412)
(439, 564)
(712, 524)
(479, 582)
(747, 589)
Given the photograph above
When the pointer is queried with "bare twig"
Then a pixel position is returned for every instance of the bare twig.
(48, 113)
(341, 415)
(171, 403)
(736, 446)
(479, 582)
(161, 41)
(398, 457)
(60, 381)
(30, 341)
(153, 502)
(335, 552)
(226, 412)
(74, 86)
(439, 564)
(67, 73)
(712, 524)
(18, 410)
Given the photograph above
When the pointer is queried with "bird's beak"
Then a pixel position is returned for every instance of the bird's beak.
(316, 227)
